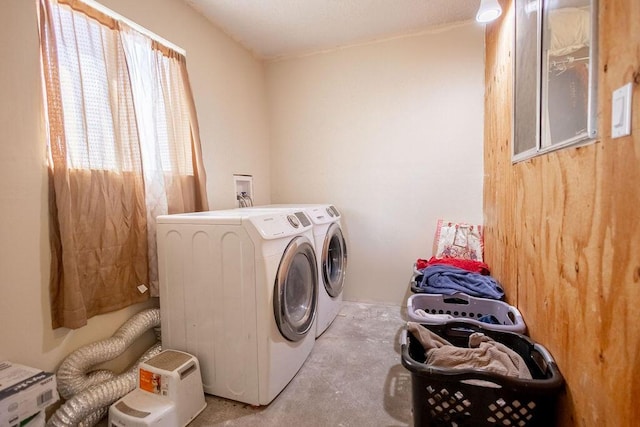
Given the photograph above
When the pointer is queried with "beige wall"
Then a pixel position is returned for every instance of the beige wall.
(230, 98)
(391, 133)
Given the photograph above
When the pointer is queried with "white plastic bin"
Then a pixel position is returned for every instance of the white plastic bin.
(465, 308)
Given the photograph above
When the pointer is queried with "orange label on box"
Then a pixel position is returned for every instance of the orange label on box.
(150, 381)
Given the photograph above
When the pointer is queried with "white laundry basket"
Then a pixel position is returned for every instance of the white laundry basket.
(465, 308)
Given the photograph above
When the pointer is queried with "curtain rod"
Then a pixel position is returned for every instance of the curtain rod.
(135, 26)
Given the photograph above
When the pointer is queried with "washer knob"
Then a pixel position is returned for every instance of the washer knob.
(293, 221)
(330, 212)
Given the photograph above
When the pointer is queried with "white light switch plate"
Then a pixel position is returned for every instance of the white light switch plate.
(621, 111)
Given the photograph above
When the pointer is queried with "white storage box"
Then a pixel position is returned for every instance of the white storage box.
(37, 420)
(24, 392)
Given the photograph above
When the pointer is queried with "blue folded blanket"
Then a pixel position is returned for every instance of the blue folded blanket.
(446, 279)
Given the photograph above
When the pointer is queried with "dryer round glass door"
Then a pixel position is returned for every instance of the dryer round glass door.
(295, 295)
(334, 260)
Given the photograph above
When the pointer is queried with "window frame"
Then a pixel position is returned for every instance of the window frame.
(539, 145)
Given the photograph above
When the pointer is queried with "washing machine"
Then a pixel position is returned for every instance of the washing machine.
(331, 252)
(239, 290)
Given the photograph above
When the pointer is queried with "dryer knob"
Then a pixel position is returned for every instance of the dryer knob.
(330, 212)
(293, 221)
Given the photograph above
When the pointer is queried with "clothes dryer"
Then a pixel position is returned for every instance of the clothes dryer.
(331, 252)
(239, 291)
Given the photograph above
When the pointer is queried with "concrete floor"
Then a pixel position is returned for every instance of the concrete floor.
(353, 377)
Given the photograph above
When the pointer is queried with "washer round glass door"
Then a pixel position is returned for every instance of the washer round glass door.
(295, 295)
(334, 260)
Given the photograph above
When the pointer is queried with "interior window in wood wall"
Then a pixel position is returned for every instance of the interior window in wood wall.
(555, 75)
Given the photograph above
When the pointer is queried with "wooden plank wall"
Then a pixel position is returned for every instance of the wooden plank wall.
(563, 230)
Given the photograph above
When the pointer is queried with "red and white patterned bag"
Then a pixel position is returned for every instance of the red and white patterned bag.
(458, 240)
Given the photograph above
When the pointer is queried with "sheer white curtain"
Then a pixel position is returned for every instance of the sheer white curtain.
(151, 120)
(163, 119)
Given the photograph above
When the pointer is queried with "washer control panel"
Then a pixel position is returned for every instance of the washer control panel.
(324, 214)
(304, 219)
(279, 224)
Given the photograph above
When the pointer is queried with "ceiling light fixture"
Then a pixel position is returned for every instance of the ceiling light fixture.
(489, 10)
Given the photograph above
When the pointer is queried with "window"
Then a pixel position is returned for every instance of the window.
(555, 75)
(123, 149)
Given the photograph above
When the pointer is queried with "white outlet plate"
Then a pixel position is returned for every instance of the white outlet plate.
(621, 111)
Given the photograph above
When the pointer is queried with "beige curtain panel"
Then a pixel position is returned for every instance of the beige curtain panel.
(123, 149)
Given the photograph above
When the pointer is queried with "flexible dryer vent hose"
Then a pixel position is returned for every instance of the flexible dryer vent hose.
(75, 375)
(88, 407)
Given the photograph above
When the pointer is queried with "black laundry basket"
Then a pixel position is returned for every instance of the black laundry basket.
(447, 397)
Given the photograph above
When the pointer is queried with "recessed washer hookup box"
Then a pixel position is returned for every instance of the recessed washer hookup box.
(24, 391)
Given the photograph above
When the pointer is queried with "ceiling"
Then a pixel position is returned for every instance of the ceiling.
(281, 28)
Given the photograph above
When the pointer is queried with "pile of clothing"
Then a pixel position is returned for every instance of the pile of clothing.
(483, 353)
(452, 275)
